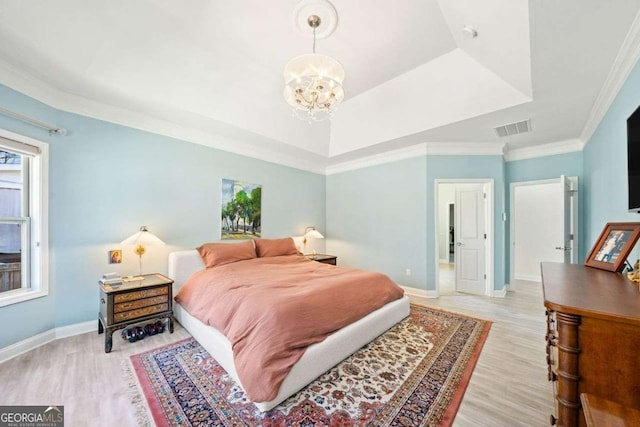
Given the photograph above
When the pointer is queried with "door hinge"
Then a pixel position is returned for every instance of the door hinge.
(484, 195)
(485, 236)
(570, 236)
(485, 277)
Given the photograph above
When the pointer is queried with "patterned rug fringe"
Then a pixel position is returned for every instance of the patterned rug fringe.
(134, 390)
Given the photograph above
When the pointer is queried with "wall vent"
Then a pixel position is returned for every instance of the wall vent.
(513, 128)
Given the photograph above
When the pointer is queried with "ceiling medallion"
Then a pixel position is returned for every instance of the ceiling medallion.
(313, 82)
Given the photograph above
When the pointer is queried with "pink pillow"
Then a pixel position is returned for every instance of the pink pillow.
(214, 254)
(275, 247)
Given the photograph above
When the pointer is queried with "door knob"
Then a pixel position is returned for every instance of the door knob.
(458, 244)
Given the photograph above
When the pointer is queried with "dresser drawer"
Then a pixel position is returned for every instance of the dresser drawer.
(124, 306)
(140, 312)
(145, 293)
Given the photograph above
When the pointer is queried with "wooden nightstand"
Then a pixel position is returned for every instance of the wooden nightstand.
(323, 258)
(134, 302)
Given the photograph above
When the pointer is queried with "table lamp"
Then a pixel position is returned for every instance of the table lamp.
(140, 239)
(312, 233)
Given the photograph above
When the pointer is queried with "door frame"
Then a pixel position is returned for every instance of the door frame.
(512, 217)
(488, 185)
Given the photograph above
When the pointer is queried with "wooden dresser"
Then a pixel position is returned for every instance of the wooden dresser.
(593, 338)
(134, 302)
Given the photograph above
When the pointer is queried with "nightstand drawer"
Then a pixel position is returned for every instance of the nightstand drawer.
(145, 311)
(129, 296)
(124, 306)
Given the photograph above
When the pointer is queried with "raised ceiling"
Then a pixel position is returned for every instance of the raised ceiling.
(211, 71)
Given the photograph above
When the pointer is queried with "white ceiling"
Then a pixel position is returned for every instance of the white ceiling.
(210, 71)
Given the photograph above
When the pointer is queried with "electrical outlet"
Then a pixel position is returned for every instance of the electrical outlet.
(407, 272)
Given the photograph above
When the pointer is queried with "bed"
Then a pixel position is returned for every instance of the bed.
(316, 359)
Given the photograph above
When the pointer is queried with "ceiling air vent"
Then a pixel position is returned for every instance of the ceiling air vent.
(513, 128)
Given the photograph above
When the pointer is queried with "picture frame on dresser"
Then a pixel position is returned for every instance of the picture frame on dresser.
(613, 246)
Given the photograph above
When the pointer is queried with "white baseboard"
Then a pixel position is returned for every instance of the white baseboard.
(76, 329)
(26, 345)
(421, 293)
(527, 277)
(43, 338)
(500, 293)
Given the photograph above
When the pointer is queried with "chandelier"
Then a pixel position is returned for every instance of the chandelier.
(313, 82)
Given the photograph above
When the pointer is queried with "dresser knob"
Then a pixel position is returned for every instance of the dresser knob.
(552, 420)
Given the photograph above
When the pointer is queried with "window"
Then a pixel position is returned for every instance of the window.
(23, 218)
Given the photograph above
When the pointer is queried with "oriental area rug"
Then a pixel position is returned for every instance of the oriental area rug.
(415, 374)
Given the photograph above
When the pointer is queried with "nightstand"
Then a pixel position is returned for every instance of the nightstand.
(323, 258)
(134, 302)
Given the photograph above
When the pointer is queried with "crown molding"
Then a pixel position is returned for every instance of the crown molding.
(550, 149)
(63, 101)
(626, 59)
(465, 148)
(378, 159)
(29, 85)
(424, 149)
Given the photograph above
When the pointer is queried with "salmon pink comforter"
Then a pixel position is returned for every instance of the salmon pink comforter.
(271, 309)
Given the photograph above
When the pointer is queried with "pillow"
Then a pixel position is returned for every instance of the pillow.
(275, 247)
(214, 254)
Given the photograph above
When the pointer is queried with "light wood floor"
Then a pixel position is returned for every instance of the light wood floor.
(508, 386)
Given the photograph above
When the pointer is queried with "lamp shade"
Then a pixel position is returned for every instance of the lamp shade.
(312, 232)
(142, 237)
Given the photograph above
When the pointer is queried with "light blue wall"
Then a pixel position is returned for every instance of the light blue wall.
(467, 167)
(106, 180)
(376, 219)
(383, 217)
(548, 167)
(605, 164)
(540, 168)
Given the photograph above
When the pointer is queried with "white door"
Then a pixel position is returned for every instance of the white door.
(538, 227)
(470, 239)
(543, 225)
(568, 247)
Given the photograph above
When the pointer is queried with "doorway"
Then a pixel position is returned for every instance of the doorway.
(544, 225)
(464, 236)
